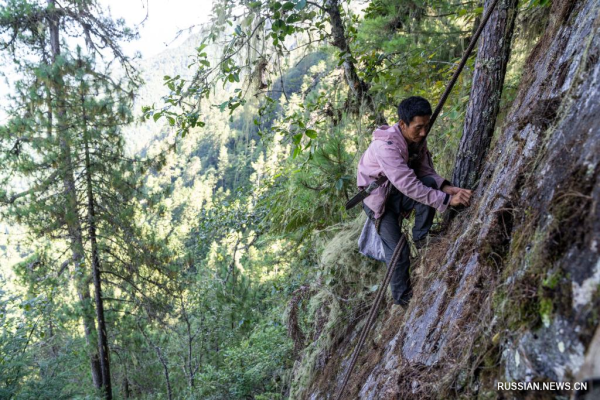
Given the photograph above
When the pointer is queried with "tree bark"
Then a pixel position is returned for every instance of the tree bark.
(102, 336)
(486, 91)
(71, 212)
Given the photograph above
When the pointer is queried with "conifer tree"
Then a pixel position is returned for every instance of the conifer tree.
(41, 144)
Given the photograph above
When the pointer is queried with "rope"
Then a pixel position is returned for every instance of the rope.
(402, 241)
(374, 308)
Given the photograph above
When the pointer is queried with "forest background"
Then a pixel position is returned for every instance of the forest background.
(167, 223)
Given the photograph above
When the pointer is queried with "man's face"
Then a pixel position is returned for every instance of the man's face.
(416, 131)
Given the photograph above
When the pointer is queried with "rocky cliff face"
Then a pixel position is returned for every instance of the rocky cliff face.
(511, 294)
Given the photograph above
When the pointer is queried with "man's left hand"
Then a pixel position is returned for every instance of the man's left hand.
(453, 190)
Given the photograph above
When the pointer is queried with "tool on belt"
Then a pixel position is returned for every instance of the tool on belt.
(363, 194)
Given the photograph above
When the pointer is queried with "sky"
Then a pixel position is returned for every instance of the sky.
(165, 19)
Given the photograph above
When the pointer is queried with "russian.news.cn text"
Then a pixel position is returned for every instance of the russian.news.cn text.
(539, 386)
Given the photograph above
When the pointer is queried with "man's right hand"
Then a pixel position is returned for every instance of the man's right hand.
(462, 197)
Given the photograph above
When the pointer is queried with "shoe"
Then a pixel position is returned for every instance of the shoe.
(403, 304)
(404, 300)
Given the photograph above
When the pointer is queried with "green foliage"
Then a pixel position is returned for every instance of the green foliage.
(37, 360)
(235, 204)
(251, 368)
(312, 195)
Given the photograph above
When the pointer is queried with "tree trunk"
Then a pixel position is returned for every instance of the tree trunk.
(83, 292)
(126, 391)
(191, 367)
(163, 360)
(486, 91)
(71, 212)
(102, 336)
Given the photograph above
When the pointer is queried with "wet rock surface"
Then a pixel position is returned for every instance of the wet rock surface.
(512, 294)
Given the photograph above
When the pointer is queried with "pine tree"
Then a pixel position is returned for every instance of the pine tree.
(41, 145)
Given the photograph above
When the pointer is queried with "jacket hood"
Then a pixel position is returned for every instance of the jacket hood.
(392, 134)
(389, 133)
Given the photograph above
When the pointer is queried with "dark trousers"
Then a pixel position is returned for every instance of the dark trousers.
(389, 230)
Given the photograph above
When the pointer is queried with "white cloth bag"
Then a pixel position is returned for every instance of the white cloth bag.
(369, 242)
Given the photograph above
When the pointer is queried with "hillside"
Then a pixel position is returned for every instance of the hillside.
(511, 293)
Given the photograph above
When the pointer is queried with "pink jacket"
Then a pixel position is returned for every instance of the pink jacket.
(388, 155)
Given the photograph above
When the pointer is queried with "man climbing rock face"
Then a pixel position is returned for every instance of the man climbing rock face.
(400, 153)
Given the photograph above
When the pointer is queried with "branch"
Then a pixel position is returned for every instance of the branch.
(37, 188)
(320, 7)
(358, 87)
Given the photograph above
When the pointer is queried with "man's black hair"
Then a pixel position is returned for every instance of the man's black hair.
(413, 107)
